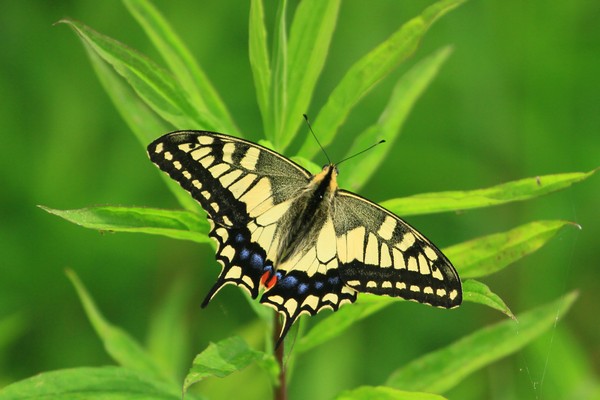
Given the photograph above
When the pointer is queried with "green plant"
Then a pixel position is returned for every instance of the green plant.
(285, 83)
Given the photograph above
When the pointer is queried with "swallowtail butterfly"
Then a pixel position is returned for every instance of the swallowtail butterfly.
(295, 238)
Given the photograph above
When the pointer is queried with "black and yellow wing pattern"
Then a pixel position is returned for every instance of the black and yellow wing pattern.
(296, 239)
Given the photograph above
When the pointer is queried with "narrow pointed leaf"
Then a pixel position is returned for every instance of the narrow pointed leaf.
(310, 36)
(259, 61)
(91, 383)
(369, 70)
(142, 121)
(125, 350)
(220, 360)
(523, 189)
(279, 63)
(477, 292)
(193, 81)
(176, 224)
(405, 94)
(488, 254)
(157, 88)
(440, 371)
(385, 393)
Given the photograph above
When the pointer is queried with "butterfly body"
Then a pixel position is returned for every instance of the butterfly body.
(299, 227)
(306, 244)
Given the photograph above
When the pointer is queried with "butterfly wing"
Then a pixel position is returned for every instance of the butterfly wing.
(381, 254)
(237, 183)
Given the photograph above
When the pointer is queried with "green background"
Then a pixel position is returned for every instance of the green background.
(519, 97)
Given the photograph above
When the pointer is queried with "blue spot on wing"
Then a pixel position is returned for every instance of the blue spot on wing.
(257, 261)
(244, 254)
(302, 288)
(333, 280)
(268, 268)
(289, 281)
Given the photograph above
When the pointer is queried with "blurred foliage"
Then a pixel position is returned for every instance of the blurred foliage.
(517, 98)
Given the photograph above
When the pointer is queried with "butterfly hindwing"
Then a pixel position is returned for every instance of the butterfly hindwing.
(310, 281)
(380, 253)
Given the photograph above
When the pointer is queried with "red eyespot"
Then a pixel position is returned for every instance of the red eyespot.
(268, 280)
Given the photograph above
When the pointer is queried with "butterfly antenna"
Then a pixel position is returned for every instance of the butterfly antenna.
(315, 136)
(360, 152)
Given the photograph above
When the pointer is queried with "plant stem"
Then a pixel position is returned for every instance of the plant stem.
(280, 392)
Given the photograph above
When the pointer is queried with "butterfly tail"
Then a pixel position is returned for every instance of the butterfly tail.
(286, 325)
(213, 291)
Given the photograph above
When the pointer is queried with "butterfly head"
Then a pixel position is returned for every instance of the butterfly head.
(325, 182)
(332, 167)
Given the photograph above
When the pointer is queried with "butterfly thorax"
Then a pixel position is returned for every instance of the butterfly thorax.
(307, 214)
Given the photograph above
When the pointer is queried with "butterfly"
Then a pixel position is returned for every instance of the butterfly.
(296, 238)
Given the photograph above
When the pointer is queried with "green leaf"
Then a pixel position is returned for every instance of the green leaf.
(369, 70)
(488, 254)
(168, 335)
(176, 224)
(125, 350)
(259, 61)
(142, 121)
(440, 371)
(221, 359)
(157, 88)
(279, 64)
(477, 292)
(385, 393)
(91, 383)
(192, 79)
(405, 94)
(429, 203)
(310, 36)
